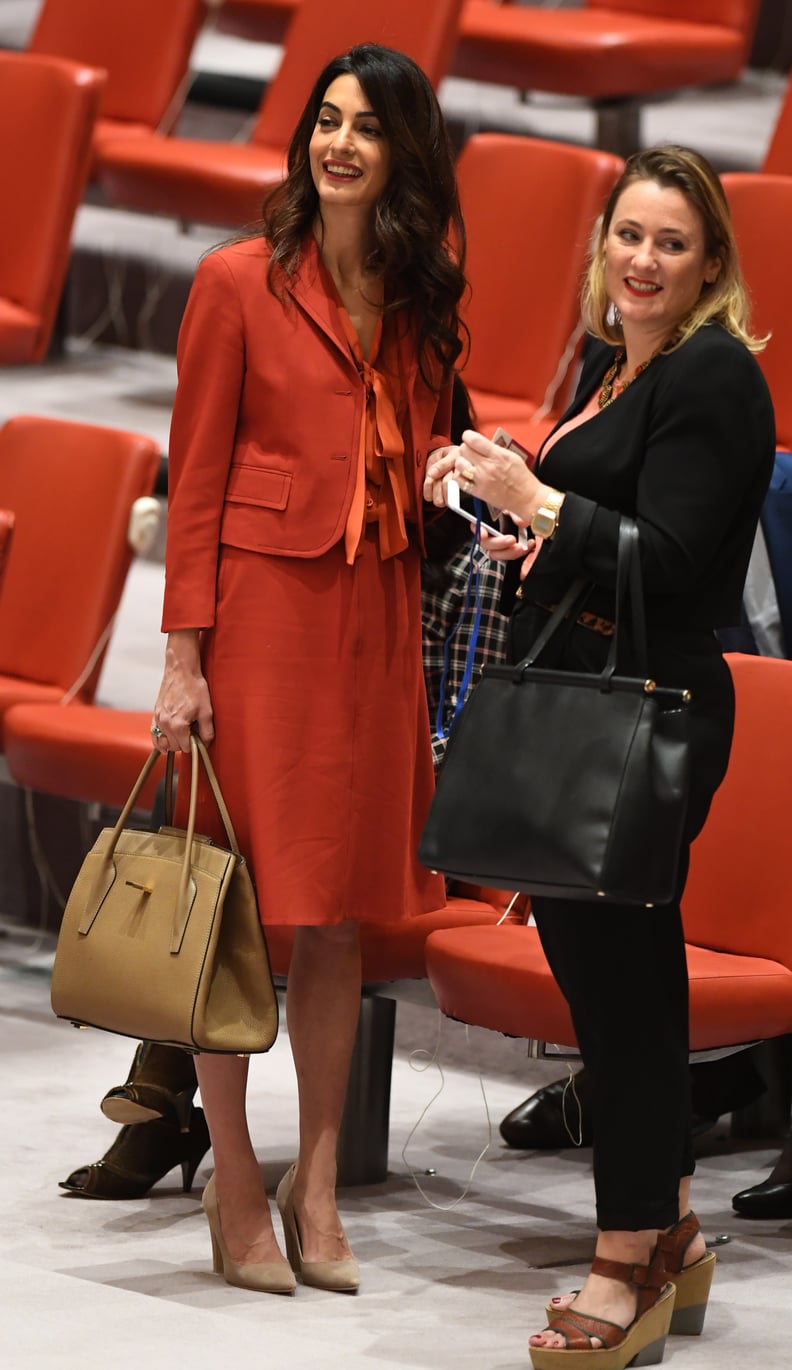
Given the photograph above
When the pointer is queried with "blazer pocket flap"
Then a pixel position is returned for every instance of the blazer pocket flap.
(259, 485)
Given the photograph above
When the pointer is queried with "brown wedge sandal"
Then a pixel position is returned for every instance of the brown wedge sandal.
(692, 1282)
(640, 1344)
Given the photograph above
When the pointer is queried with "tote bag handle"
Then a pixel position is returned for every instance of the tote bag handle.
(186, 892)
(629, 586)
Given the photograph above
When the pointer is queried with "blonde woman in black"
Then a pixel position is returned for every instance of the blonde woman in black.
(672, 424)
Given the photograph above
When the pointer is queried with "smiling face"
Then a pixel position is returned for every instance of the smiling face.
(655, 259)
(348, 152)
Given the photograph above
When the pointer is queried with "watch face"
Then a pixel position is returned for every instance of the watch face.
(543, 524)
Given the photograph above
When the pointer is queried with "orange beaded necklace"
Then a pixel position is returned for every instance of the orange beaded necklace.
(606, 395)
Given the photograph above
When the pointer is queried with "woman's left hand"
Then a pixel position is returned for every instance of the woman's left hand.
(441, 464)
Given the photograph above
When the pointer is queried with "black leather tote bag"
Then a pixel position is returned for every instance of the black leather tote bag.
(563, 783)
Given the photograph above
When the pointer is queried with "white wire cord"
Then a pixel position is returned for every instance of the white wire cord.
(569, 1087)
(115, 273)
(560, 376)
(421, 1060)
(504, 916)
(101, 643)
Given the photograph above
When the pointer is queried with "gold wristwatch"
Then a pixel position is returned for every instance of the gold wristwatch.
(545, 520)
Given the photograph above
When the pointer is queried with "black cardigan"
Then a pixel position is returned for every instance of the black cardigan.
(688, 450)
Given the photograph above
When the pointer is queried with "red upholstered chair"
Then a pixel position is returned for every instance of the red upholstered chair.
(262, 21)
(94, 754)
(82, 751)
(47, 112)
(615, 53)
(225, 183)
(529, 206)
(144, 46)
(761, 207)
(778, 158)
(6, 538)
(735, 908)
(71, 487)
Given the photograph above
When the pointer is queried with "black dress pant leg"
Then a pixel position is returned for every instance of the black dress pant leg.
(624, 975)
(623, 970)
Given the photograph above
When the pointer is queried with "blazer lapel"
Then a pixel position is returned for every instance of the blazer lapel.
(310, 294)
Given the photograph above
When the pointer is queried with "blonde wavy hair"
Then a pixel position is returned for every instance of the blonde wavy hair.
(725, 300)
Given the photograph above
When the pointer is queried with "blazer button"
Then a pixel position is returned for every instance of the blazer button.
(419, 461)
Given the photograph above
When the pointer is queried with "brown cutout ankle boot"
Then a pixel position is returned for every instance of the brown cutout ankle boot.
(141, 1155)
(161, 1084)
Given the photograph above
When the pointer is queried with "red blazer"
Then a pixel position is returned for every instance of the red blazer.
(266, 424)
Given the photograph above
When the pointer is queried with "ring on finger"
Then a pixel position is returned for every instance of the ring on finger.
(156, 732)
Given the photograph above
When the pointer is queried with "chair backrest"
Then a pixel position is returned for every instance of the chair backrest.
(737, 15)
(143, 45)
(320, 31)
(529, 206)
(778, 158)
(264, 21)
(71, 487)
(739, 889)
(48, 108)
(761, 209)
(6, 538)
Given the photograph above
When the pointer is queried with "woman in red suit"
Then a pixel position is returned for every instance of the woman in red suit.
(315, 363)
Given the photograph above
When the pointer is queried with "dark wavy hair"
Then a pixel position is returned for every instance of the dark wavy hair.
(418, 236)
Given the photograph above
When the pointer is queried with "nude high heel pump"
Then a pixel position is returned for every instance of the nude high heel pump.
(266, 1277)
(341, 1277)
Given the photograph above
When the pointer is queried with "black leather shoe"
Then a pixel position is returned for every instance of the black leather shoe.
(538, 1122)
(768, 1200)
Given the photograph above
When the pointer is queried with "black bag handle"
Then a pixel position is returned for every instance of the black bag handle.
(629, 587)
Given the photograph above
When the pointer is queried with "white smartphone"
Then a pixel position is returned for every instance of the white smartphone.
(455, 503)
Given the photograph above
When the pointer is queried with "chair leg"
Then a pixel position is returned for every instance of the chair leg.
(618, 126)
(768, 1116)
(60, 328)
(363, 1140)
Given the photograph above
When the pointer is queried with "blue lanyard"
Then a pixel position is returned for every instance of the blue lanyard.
(472, 588)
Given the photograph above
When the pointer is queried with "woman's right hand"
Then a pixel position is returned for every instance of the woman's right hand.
(183, 699)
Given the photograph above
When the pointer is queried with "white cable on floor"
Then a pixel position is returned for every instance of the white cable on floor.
(433, 1059)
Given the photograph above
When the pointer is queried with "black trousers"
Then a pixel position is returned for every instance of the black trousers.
(623, 970)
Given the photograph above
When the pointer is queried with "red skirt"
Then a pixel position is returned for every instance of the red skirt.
(322, 744)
